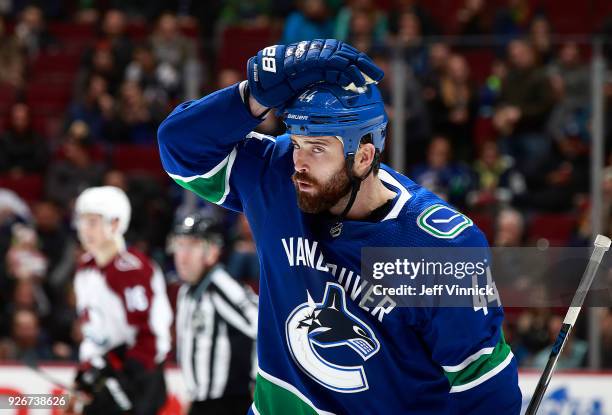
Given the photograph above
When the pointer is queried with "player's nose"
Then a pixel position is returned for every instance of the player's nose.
(300, 160)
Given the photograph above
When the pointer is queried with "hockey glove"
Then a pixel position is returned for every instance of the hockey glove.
(90, 379)
(279, 72)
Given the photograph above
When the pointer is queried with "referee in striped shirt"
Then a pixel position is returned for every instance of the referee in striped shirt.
(216, 322)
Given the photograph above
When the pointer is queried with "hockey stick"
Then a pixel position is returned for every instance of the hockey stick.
(602, 244)
(79, 400)
(33, 365)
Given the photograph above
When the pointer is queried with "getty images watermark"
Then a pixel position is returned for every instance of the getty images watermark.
(404, 268)
(481, 277)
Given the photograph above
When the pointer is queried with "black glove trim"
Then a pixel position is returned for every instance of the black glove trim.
(246, 94)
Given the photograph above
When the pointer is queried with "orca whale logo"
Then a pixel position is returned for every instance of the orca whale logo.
(329, 324)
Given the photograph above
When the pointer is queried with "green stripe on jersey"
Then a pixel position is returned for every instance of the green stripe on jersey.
(481, 369)
(273, 399)
(212, 186)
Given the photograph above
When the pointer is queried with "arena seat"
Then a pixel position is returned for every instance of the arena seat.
(485, 222)
(569, 16)
(557, 228)
(73, 36)
(70, 30)
(604, 12)
(443, 12)
(7, 97)
(192, 32)
(135, 159)
(137, 31)
(97, 152)
(62, 62)
(483, 131)
(28, 187)
(240, 43)
(479, 61)
(47, 98)
(47, 125)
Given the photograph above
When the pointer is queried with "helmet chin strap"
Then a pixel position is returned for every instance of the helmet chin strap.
(336, 230)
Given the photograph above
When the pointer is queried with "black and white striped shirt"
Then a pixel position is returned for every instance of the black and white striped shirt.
(216, 325)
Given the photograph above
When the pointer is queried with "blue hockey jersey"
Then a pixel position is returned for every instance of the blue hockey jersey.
(372, 357)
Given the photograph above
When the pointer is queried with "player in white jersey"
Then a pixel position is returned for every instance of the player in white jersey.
(124, 312)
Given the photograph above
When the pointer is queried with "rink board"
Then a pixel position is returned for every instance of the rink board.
(570, 393)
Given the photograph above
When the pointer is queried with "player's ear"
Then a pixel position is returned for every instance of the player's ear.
(213, 253)
(114, 225)
(363, 158)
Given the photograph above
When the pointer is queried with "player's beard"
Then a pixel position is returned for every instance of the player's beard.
(326, 195)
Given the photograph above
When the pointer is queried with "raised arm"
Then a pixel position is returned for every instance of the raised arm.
(199, 142)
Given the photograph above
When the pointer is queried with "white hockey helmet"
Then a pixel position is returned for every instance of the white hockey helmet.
(108, 201)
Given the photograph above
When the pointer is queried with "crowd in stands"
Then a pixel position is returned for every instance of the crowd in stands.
(500, 128)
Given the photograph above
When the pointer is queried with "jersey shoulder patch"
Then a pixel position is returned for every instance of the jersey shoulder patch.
(442, 221)
(127, 261)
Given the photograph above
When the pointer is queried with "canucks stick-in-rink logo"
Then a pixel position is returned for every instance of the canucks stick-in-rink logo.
(329, 324)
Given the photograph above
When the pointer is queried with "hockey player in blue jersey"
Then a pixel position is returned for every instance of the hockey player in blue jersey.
(314, 197)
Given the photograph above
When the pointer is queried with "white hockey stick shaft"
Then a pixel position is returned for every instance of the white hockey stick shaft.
(602, 244)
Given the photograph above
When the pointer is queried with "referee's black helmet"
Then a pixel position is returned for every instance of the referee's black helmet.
(198, 226)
